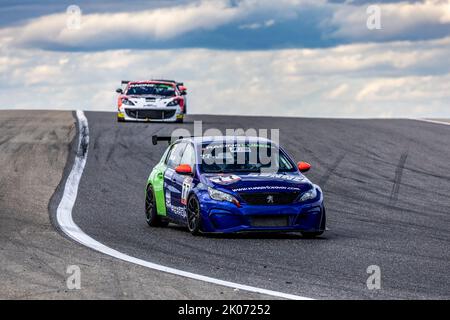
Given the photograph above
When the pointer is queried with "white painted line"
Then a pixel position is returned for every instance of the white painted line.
(68, 226)
(434, 121)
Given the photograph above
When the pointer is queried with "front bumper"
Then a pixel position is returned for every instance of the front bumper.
(166, 114)
(225, 217)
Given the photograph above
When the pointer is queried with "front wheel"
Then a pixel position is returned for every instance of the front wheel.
(151, 213)
(193, 215)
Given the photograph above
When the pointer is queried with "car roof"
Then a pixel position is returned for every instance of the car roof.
(227, 139)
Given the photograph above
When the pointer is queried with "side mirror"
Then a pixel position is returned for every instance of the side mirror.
(119, 90)
(182, 90)
(303, 166)
(183, 169)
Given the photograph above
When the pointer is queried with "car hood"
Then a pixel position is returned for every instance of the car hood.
(258, 182)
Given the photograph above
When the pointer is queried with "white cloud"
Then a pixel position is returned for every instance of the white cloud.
(97, 29)
(338, 91)
(42, 73)
(7, 63)
(269, 23)
(106, 30)
(251, 26)
(407, 89)
(401, 20)
(360, 80)
(254, 26)
(400, 78)
(380, 58)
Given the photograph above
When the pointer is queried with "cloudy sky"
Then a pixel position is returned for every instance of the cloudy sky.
(313, 58)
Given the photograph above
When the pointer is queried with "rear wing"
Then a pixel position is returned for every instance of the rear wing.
(123, 85)
(156, 139)
(168, 139)
(160, 80)
(170, 81)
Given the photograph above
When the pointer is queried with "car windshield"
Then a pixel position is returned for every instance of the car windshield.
(243, 157)
(157, 89)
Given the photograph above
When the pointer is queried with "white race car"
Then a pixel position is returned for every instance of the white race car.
(151, 100)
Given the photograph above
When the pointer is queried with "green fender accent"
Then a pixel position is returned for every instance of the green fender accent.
(156, 179)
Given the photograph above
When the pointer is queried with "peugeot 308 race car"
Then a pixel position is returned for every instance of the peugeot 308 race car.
(152, 100)
(220, 185)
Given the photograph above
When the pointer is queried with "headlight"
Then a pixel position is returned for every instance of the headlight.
(308, 195)
(222, 196)
(173, 103)
(127, 102)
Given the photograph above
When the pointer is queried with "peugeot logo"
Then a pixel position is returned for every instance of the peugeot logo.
(269, 199)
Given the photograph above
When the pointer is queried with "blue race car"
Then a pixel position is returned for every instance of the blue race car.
(226, 185)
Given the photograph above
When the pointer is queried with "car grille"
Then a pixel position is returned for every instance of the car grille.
(269, 198)
(150, 114)
(269, 221)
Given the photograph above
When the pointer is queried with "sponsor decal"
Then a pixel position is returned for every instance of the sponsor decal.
(179, 211)
(236, 147)
(241, 148)
(287, 177)
(266, 188)
(224, 180)
(187, 186)
(160, 85)
(168, 199)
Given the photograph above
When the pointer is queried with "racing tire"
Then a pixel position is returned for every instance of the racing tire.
(151, 213)
(193, 215)
(311, 235)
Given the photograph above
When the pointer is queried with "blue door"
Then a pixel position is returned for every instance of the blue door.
(172, 186)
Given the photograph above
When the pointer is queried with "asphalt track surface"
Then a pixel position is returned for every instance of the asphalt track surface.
(386, 185)
(35, 148)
